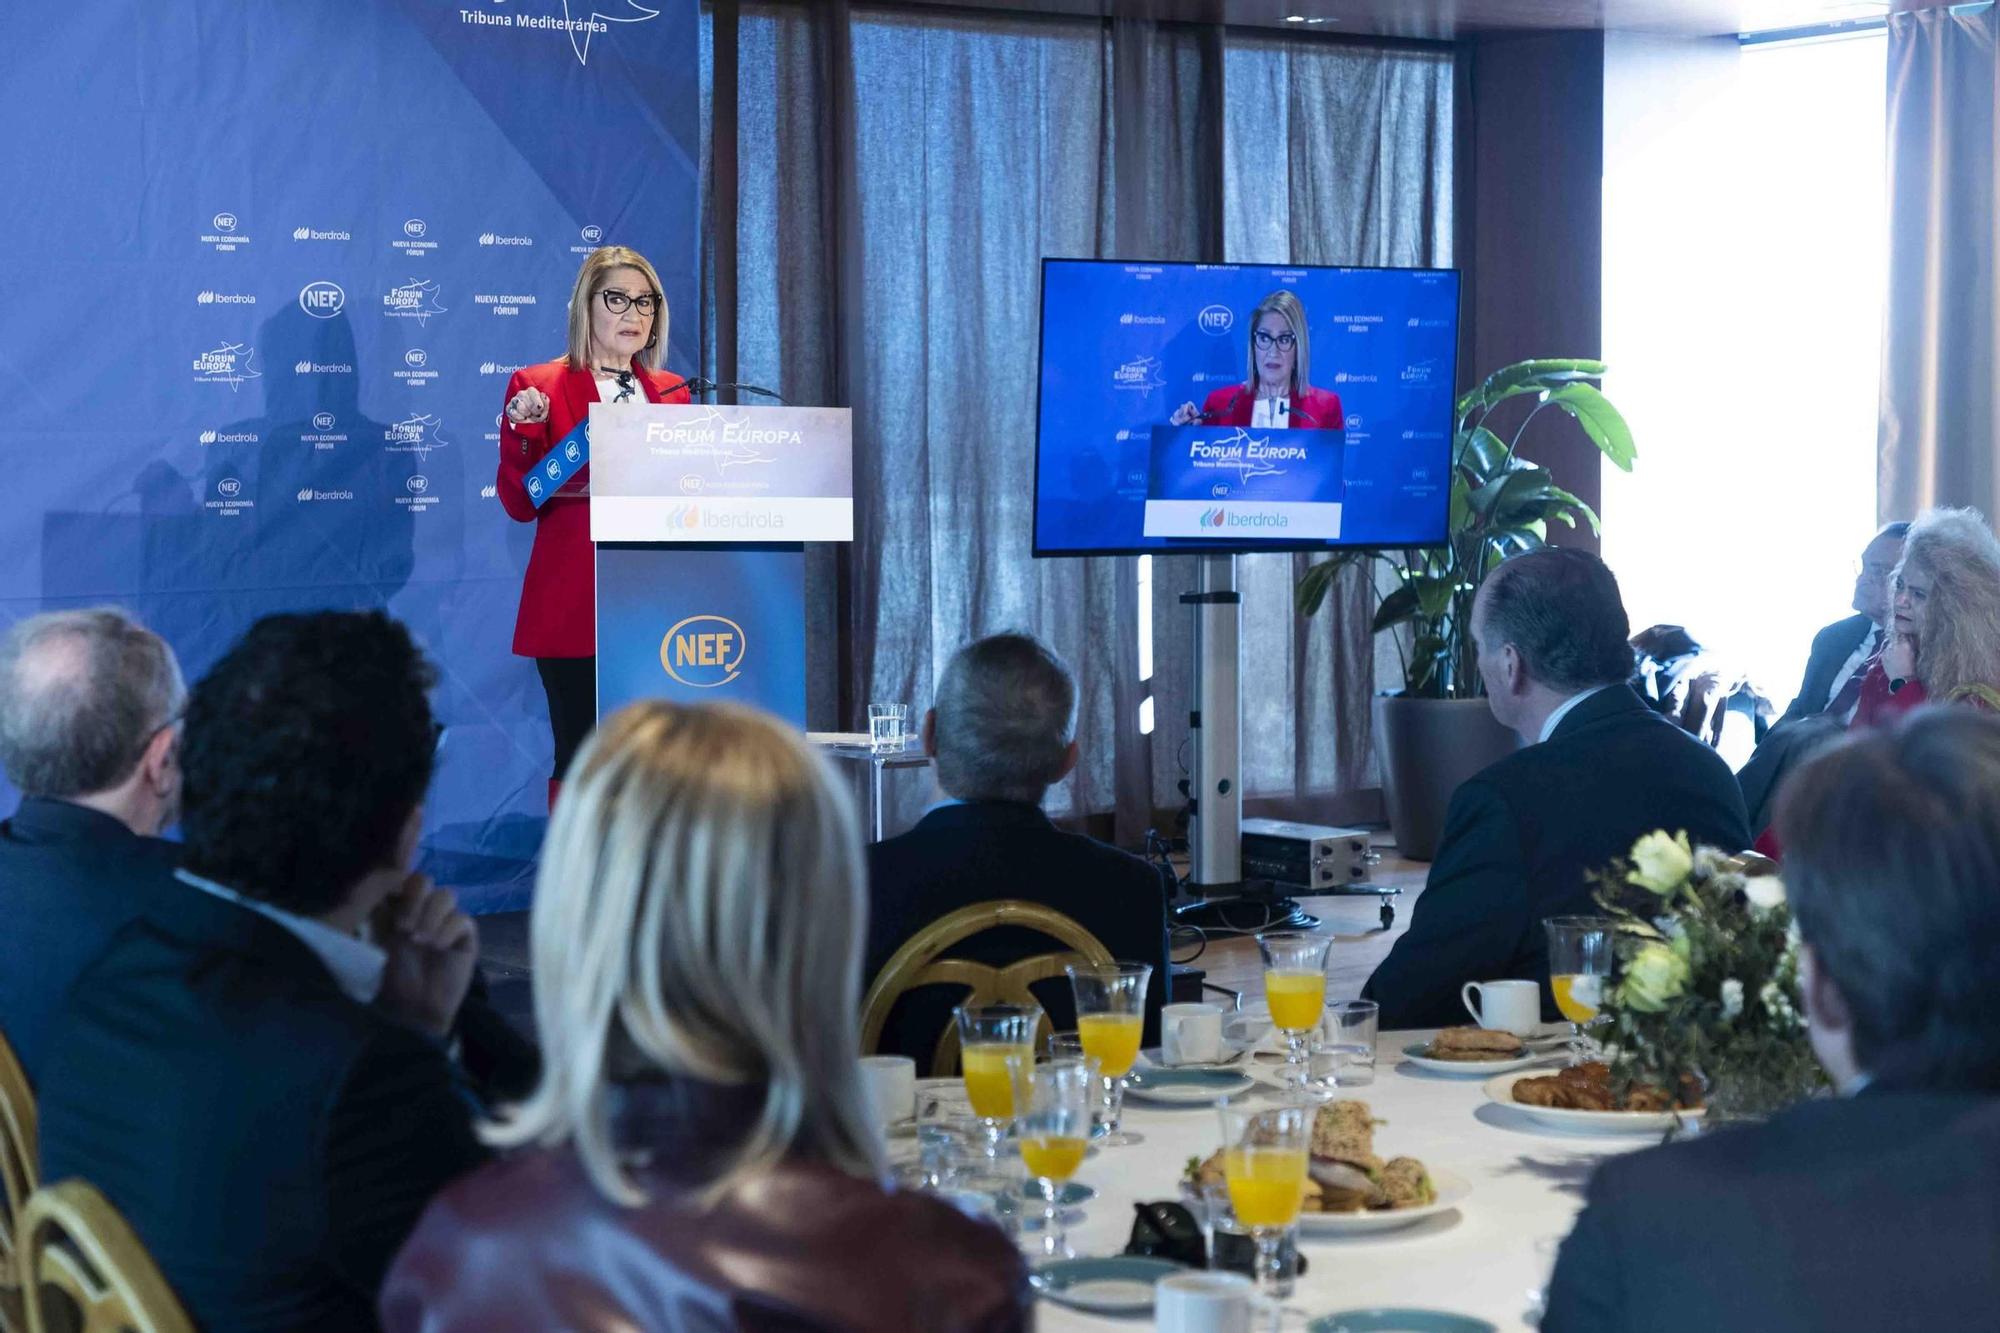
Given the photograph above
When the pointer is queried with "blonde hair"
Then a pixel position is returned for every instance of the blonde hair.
(1287, 305)
(1958, 643)
(589, 281)
(699, 913)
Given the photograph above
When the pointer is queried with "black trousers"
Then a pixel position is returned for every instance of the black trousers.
(571, 684)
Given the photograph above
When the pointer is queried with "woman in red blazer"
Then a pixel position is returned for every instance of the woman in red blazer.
(617, 326)
(1276, 391)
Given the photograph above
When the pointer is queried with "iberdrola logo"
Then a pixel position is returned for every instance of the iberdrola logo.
(1212, 518)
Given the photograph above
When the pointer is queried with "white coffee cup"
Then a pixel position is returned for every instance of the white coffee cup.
(1202, 1303)
(1191, 1034)
(1507, 1006)
(890, 1082)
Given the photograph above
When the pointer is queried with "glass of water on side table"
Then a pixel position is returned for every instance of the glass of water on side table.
(888, 727)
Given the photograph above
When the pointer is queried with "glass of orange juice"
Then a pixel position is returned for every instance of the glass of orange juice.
(1052, 1106)
(1295, 988)
(1264, 1165)
(1580, 957)
(987, 1035)
(1110, 1013)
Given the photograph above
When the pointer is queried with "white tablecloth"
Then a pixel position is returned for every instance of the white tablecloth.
(1483, 1258)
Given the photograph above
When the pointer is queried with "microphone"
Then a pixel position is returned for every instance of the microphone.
(713, 387)
(1208, 417)
(1286, 410)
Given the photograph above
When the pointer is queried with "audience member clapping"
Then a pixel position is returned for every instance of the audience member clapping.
(698, 1154)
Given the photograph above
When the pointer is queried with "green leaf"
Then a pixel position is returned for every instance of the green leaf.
(1528, 377)
(1512, 488)
(1599, 419)
(1312, 586)
(1397, 607)
(1481, 453)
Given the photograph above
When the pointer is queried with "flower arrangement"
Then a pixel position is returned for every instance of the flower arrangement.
(1708, 984)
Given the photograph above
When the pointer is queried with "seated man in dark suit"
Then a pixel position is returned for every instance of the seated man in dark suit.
(1598, 770)
(89, 720)
(1832, 686)
(256, 1074)
(1003, 731)
(1873, 1209)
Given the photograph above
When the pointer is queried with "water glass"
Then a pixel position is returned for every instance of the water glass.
(1350, 1041)
(888, 727)
(1110, 1014)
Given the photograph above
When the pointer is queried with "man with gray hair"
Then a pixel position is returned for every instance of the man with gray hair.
(90, 705)
(1003, 731)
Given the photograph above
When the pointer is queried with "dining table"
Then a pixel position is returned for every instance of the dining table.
(1488, 1257)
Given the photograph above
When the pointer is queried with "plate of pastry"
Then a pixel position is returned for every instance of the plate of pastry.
(1583, 1099)
(1467, 1051)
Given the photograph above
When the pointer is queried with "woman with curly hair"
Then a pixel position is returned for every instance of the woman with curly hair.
(1945, 624)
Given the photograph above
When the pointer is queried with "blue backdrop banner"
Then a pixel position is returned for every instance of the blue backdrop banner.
(269, 267)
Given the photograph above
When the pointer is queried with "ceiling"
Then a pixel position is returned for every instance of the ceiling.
(1441, 19)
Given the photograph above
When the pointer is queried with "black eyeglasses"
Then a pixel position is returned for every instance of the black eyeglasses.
(618, 302)
(1266, 341)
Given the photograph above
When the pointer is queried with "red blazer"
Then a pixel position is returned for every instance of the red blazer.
(558, 616)
(1316, 409)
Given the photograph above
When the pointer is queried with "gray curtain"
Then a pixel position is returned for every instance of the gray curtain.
(899, 176)
(1336, 155)
(1940, 441)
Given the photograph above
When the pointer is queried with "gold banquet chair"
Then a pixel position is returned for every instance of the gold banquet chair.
(17, 1182)
(86, 1271)
(920, 962)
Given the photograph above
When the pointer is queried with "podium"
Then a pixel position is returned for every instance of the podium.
(699, 515)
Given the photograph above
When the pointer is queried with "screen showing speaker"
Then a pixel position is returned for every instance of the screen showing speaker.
(1234, 407)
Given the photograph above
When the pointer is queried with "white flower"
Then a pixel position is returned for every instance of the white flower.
(1654, 977)
(1765, 892)
(1732, 999)
(1661, 862)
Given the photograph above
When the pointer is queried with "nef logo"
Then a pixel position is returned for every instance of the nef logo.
(703, 651)
(534, 486)
(322, 300)
(224, 221)
(418, 484)
(1215, 320)
(572, 452)
(554, 469)
(415, 229)
(415, 358)
(322, 421)
(229, 487)
(592, 234)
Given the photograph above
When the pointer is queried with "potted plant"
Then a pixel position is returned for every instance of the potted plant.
(1436, 731)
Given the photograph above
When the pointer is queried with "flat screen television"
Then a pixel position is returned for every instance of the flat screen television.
(1238, 407)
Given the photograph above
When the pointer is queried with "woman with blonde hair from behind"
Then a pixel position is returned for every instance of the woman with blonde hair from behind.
(698, 1155)
(1945, 620)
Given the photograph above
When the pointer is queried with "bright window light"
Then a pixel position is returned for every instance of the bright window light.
(1744, 250)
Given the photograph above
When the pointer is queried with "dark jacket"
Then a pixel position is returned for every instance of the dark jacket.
(271, 1140)
(1522, 836)
(1870, 1212)
(70, 878)
(528, 1244)
(958, 855)
(1830, 648)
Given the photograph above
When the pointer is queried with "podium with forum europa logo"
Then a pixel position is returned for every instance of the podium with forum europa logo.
(699, 514)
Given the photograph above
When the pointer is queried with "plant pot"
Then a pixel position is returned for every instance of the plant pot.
(1428, 747)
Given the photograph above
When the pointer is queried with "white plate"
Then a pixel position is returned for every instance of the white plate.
(1451, 1192)
(1414, 1054)
(1151, 1057)
(1203, 1093)
(1500, 1091)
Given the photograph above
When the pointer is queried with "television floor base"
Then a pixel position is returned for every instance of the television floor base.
(1248, 908)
